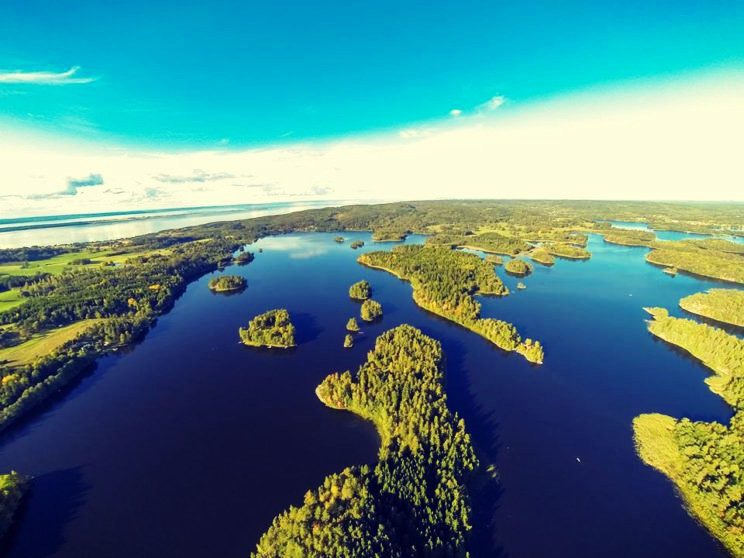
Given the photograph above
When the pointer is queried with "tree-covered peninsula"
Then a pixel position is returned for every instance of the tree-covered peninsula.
(361, 290)
(272, 329)
(370, 310)
(707, 263)
(227, 283)
(705, 460)
(518, 267)
(445, 281)
(541, 256)
(414, 501)
(723, 305)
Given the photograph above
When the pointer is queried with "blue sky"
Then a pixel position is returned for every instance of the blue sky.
(182, 74)
(147, 104)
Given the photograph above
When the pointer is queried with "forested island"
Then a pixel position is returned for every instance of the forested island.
(227, 283)
(444, 282)
(361, 290)
(12, 489)
(370, 310)
(518, 267)
(723, 305)
(567, 251)
(414, 501)
(272, 329)
(356, 244)
(705, 460)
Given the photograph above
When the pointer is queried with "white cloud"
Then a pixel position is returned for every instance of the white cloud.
(493, 103)
(681, 140)
(455, 113)
(44, 78)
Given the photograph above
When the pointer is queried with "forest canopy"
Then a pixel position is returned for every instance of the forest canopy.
(227, 283)
(361, 290)
(723, 305)
(445, 281)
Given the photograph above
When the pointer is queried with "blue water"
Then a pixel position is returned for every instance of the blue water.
(90, 227)
(670, 235)
(190, 444)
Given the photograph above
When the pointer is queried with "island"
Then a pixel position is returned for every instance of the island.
(445, 281)
(521, 286)
(227, 283)
(389, 235)
(348, 341)
(272, 329)
(352, 325)
(361, 290)
(13, 487)
(339, 239)
(356, 244)
(415, 501)
(567, 251)
(517, 267)
(705, 460)
(371, 310)
(722, 305)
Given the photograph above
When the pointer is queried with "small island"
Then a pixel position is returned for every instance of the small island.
(357, 244)
(371, 310)
(352, 325)
(348, 341)
(272, 329)
(521, 286)
(339, 239)
(360, 290)
(518, 267)
(227, 283)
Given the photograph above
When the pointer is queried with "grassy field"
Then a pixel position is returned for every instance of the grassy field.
(10, 299)
(61, 263)
(43, 343)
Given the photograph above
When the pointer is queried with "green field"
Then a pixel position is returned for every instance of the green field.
(43, 343)
(10, 299)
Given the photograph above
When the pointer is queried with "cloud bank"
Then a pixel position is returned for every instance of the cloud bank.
(44, 78)
(680, 140)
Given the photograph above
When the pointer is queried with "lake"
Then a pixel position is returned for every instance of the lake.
(92, 227)
(189, 444)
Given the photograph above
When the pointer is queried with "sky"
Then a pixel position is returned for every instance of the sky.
(107, 106)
